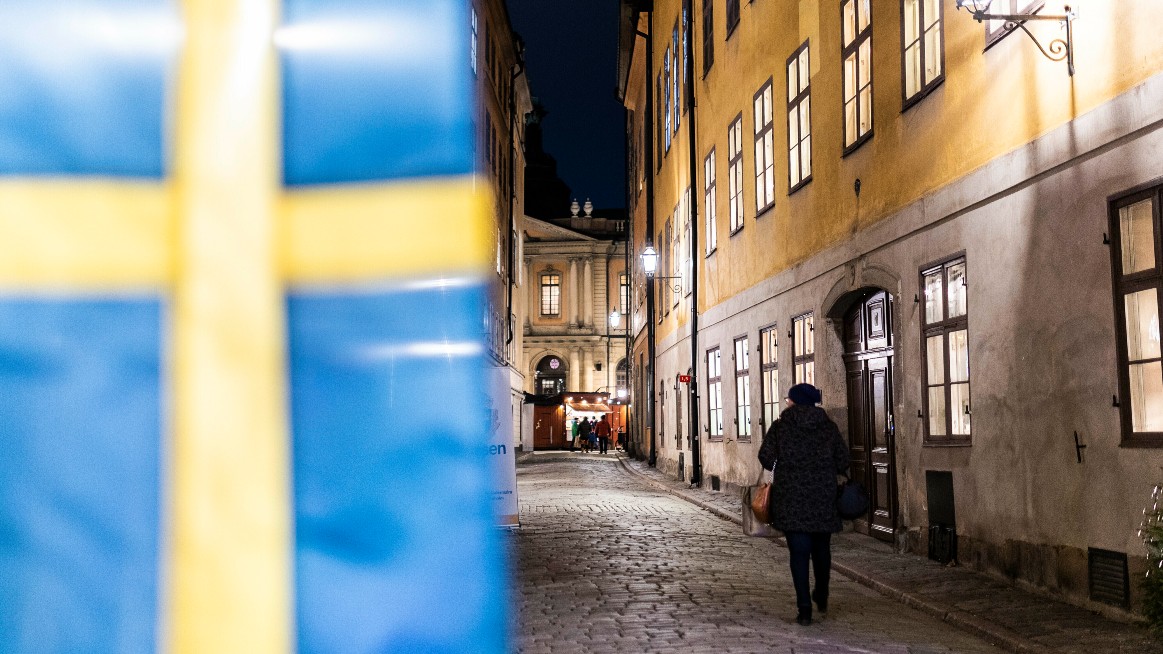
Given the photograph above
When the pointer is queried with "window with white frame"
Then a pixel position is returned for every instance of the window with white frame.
(686, 242)
(856, 54)
(550, 294)
(676, 78)
(946, 353)
(799, 119)
(710, 201)
(666, 74)
(923, 58)
(667, 259)
(742, 389)
(714, 395)
(676, 254)
(803, 349)
(764, 150)
(735, 173)
(769, 368)
(659, 124)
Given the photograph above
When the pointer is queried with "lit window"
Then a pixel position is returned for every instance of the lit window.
(710, 200)
(924, 54)
(551, 294)
(764, 150)
(803, 349)
(769, 365)
(996, 29)
(623, 294)
(735, 173)
(799, 119)
(714, 395)
(475, 41)
(857, 57)
(742, 390)
(945, 350)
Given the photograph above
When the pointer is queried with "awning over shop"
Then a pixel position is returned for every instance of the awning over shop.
(588, 407)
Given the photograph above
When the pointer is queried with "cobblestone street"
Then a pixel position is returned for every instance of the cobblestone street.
(607, 563)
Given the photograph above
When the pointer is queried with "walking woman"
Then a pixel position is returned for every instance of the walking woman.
(807, 452)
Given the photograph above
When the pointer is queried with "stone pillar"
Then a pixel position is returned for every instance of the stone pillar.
(588, 371)
(573, 292)
(534, 293)
(588, 293)
(574, 372)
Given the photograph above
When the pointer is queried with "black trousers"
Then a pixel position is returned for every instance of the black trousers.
(817, 548)
(604, 444)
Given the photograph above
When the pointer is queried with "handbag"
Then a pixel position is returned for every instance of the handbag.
(851, 499)
(756, 510)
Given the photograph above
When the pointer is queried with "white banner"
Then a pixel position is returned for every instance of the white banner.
(502, 458)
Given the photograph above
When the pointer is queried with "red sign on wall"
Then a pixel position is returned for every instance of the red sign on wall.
(686, 379)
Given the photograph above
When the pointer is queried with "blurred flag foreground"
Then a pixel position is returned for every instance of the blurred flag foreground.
(241, 290)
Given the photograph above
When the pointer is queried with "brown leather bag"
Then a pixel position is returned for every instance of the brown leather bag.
(760, 496)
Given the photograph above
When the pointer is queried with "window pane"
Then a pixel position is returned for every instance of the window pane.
(865, 110)
(805, 117)
(806, 156)
(809, 372)
(936, 410)
(932, 54)
(805, 70)
(1147, 396)
(793, 163)
(757, 113)
(935, 359)
(957, 300)
(933, 301)
(959, 399)
(958, 356)
(849, 21)
(932, 11)
(766, 104)
(850, 77)
(912, 16)
(792, 81)
(793, 126)
(1136, 229)
(912, 70)
(865, 14)
(809, 336)
(1142, 311)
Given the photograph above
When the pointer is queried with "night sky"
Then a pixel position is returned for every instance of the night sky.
(571, 49)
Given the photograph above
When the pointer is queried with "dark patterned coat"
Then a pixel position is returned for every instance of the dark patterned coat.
(807, 451)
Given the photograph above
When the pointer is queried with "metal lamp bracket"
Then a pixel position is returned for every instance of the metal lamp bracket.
(677, 286)
(1055, 50)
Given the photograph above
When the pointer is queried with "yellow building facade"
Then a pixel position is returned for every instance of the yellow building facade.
(944, 228)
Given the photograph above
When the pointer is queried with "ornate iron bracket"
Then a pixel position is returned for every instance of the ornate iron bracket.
(1055, 50)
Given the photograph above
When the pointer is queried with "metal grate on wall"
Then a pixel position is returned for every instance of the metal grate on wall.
(1109, 582)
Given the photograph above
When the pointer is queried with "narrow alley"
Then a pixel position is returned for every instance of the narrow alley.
(608, 563)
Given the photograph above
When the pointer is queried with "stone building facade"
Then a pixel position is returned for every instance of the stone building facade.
(954, 237)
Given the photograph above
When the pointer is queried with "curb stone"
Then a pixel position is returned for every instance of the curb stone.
(995, 634)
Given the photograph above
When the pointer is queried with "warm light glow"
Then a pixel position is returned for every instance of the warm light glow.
(649, 260)
(615, 318)
(621, 392)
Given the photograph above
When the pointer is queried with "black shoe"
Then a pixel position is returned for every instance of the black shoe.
(821, 604)
(804, 619)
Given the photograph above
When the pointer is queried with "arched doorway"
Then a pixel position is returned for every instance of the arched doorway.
(551, 373)
(868, 357)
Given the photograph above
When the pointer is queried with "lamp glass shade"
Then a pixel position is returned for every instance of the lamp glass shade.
(649, 260)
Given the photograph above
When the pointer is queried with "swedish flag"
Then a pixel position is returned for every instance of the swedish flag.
(241, 291)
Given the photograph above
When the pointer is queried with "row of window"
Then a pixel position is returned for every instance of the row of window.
(944, 349)
(551, 294)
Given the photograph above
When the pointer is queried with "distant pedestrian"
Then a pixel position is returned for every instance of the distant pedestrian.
(807, 452)
(571, 433)
(603, 431)
(620, 445)
(585, 432)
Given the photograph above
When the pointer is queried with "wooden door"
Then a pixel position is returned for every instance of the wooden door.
(547, 428)
(871, 429)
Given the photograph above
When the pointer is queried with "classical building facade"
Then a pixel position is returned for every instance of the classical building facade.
(952, 235)
(576, 272)
(504, 101)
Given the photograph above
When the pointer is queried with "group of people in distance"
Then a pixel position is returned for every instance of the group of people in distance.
(588, 436)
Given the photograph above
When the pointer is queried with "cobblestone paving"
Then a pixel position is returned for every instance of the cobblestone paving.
(607, 563)
(1025, 621)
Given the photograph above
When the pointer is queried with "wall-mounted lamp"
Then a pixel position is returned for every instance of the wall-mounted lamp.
(615, 319)
(650, 266)
(1055, 50)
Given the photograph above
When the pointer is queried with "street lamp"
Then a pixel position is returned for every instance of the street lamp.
(1055, 50)
(649, 261)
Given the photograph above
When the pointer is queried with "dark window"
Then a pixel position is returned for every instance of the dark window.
(676, 78)
(667, 72)
(799, 119)
(551, 373)
(623, 293)
(764, 150)
(708, 35)
(856, 54)
(945, 350)
(769, 367)
(732, 16)
(803, 349)
(714, 395)
(1138, 280)
(742, 389)
(660, 102)
(922, 41)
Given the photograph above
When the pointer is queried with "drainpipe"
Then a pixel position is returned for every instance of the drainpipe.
(692, 205)
(519, 69)
(650, 173)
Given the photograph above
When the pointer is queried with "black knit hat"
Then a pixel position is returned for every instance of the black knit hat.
(804, 395)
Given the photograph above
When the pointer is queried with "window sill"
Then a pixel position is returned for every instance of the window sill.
(740, 229)
(761, 212)
(711, 253)
(1143, 441)
(802, 183)
(908, 103)
(714, 439)
(731, 30)
(947, 443)
(856, 145)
